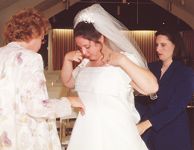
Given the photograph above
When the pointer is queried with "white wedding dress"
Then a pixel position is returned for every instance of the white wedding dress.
(110, 119)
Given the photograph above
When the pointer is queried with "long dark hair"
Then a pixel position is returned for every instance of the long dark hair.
(174, 36)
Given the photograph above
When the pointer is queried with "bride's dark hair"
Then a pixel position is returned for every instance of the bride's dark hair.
(87, 31)
(180, 53)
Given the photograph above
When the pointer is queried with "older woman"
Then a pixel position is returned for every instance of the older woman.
(27, 116)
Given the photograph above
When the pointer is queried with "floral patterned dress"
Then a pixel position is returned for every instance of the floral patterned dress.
(27, 116)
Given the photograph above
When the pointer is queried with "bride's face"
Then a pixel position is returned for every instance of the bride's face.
(89, 49)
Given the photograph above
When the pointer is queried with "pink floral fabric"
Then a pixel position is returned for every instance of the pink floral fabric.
(27, 115)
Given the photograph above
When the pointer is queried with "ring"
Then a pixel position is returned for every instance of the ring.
(109, 56)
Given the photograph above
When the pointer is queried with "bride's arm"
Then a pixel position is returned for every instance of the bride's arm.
(67, 69)
(142, 79)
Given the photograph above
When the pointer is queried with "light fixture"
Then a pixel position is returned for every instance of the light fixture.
(66, 4)
(124, 1)
(170, 5)
(118, 10)
(137, 11)
(182, 2)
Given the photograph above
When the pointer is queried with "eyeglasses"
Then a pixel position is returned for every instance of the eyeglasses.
(43, 41)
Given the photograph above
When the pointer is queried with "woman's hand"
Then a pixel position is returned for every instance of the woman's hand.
(77, 103)
(67, 69)
(143, 126)
(74, 56)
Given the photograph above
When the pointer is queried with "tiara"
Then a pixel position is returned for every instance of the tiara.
(84, 16)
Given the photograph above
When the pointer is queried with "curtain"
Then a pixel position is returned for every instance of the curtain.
(62, 42)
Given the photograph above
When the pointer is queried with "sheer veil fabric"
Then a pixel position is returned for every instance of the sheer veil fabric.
(112, 29)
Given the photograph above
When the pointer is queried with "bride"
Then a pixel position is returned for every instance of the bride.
(111, 67)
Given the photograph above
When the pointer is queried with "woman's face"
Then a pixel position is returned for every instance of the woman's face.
(164, 48)
(89, 49)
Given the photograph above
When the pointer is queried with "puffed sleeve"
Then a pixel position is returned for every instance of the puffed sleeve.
(32, 90)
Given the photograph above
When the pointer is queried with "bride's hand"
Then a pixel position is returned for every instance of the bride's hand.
(74, 56)
(77, 103)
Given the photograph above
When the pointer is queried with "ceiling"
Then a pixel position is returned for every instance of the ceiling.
(146, 14)
(136, 15)
(184, 9)
(6, 3)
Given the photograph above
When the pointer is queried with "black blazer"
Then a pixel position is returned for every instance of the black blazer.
(170, 128)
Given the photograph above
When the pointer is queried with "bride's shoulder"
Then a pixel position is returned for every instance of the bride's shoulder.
(131, 56)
